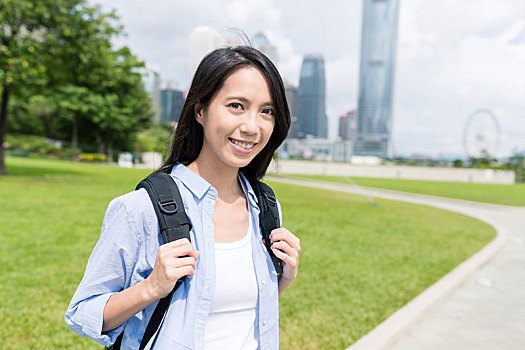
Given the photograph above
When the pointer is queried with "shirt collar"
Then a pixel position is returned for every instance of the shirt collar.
(196, 184)
(247, 187)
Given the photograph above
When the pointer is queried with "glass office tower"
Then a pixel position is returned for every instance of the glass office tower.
(376, 78)
(171, 102)
(311, 112)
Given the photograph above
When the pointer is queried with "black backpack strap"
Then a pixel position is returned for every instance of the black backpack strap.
(167, 202)
(173, 225)
(268, 218)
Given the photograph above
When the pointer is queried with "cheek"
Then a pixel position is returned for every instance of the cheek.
(269, 128)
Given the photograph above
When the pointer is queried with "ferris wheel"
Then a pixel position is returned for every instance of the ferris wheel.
(481, 136)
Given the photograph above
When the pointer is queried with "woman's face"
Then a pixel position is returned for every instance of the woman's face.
(238, 121)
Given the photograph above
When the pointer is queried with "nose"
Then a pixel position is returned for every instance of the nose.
(249, 123)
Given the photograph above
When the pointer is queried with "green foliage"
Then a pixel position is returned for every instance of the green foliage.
(57, 61)
(33, 144)
(22, 120)
(489, 193)
(359, 263)
(517, 164)
(156, 138)
(457, 163)
(93, 157)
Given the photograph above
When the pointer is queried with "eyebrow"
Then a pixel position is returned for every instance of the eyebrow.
(245, 100)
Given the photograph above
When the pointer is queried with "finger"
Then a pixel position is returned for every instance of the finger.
(282, 234)
(179, 251)
(172, 274)
(285, 257)
(180, 262)
(178, 242)
(188, 271)
(286, 248)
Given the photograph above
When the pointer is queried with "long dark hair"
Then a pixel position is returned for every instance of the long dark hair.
(208, 80)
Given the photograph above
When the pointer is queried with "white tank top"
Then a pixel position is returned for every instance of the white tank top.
(231, 321)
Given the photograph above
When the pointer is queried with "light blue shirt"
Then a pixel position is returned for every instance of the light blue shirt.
(125, 255)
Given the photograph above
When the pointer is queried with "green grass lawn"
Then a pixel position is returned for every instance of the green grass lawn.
(488, 193)
(359, 263)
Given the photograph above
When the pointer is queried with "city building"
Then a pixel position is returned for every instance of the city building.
(172, 101)
(348, 125)
(202, 40)
(376, 78)
(291, 99)
(151, 80)
(311, 111)
(261, 43)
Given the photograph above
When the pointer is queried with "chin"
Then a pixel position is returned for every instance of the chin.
(237, 162)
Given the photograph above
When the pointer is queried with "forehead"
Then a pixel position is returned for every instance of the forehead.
(247, 82)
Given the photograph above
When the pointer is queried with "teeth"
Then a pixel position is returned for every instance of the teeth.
(242, 144)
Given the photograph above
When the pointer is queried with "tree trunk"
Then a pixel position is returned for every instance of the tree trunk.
(74, 132)
(3, 117)
(102, 144)
(109, 146)
(49, 129)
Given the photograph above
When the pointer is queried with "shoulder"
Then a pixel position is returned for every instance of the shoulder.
(133, 202)
(134, 206)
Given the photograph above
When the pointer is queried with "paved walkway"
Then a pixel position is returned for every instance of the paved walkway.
(479, 305)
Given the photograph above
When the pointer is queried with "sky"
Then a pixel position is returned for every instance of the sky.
(454, 57)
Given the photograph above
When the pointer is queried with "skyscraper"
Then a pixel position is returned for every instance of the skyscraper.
(376, 78)
(172, 101)
(311, 113)
(347, 126)
(151, 81)
(261, 43)
(291, 98)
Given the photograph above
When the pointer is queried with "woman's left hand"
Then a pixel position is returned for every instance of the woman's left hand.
(287, 247)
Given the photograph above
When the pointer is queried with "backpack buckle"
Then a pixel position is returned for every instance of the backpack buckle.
(164, 207)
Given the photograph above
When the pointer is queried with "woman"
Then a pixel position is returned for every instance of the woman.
(233, 120)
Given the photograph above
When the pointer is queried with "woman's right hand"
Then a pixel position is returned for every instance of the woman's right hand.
(174, 260)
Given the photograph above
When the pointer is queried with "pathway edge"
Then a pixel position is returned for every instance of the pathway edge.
(388, 332)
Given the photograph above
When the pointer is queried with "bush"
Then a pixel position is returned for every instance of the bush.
(93, 157)
(154, 139)
(32, 144)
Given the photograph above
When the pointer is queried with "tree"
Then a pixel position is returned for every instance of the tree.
(64, 46)
(517, 164)
(22, 24)
(458, 163)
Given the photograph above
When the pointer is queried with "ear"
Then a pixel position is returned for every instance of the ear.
(199, 113)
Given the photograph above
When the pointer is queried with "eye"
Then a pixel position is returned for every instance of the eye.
(269, 111)
(235, 105)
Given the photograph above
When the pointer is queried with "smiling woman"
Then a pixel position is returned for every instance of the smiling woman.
(233, 120)
(238, 122)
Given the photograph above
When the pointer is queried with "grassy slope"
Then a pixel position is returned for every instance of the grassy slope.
(359, 263)
(489, 193)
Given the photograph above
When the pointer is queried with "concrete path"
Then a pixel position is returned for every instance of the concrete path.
(478, 305)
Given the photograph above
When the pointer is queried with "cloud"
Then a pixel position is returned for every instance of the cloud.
(453, 57)
(452, 62)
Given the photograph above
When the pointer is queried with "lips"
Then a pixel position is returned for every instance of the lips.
(242, 146)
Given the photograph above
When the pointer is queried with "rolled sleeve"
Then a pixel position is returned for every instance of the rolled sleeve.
(108, 271)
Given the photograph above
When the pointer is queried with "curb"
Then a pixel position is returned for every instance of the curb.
(389, 331)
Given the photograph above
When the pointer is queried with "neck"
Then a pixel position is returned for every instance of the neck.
(224, 179)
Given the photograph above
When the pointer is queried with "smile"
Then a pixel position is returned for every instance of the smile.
(247, 146)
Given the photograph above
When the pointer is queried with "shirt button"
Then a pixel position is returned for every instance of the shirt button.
(263, 282)
(265, 322)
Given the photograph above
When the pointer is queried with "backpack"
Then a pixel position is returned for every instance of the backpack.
(174, 224)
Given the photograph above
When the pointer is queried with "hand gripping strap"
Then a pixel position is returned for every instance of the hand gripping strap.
(173, 224)
(268, 217)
